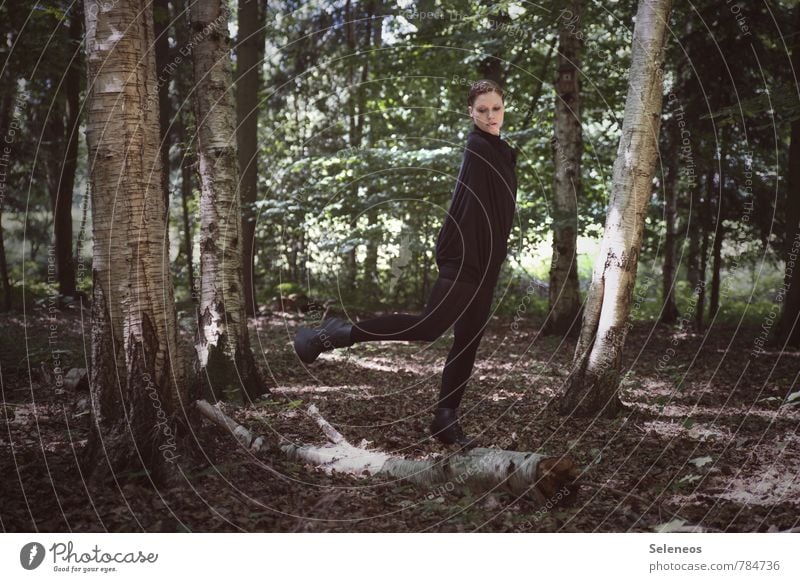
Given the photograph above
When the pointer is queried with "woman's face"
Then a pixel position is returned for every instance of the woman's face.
(487, 112)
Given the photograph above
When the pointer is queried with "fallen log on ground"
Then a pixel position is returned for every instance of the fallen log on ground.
(481, 469)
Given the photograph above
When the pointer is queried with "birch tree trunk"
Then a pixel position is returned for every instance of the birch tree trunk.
(249, 60)
(480, 469)
(224, 358)
(567, 144)
(592, 386)
(136, 374)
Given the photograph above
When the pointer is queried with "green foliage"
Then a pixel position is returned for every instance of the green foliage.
(362, 130)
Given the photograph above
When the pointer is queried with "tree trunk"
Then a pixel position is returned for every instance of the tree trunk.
(224, 357)
(6, 283)
(426, 259)
(669, 310)
(705, 226)
(62, 203)
(479, 469)
(370, 291)
(184, 81)
(716, 266)
(186, 195)
(8, 105)
(537, 94)
(719, 235)
(695, 228)
(249, 60)
(164, 68)
(565, 302)
(136, 374)
(594, 379)
(351, 11)
(492, 66)
(788, 329)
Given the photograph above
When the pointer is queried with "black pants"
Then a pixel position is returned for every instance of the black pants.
(451, 302)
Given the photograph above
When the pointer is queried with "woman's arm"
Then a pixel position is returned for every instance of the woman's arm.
(476, 172)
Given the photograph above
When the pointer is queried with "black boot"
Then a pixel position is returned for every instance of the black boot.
(310, 343)
(446, 429)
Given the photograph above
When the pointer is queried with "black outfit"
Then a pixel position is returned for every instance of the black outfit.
(470, 250)
(472, 242)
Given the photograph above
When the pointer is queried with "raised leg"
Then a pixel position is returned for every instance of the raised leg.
(447, 301)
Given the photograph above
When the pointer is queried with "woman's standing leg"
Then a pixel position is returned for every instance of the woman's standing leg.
(447, 301)
(468, 332)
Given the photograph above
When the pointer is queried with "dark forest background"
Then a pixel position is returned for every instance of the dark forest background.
(349, 120)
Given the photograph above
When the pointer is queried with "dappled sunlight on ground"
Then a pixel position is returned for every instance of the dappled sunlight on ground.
(706, 438)
(769, 474)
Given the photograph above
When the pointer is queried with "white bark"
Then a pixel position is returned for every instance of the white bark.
(224, 358)
(481, 469)
(248, 439)
(135, 354)
(595, 375)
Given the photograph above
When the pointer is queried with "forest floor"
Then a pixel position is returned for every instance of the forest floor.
(709, 439)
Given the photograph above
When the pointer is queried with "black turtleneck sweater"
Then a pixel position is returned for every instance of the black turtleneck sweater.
(472, 242)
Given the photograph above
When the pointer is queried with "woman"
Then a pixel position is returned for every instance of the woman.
(470, 249)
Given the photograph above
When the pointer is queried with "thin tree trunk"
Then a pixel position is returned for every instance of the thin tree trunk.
(249, 58)
(695, 228)
(186, 195)
(492, 66)
(62, 207)
(669, 310)
(6, 283)
(136, 374)
(77, 259)
(426, 260)
(5, 120)
(354, 135)
(164, 68)
(184, 81)
(705, 224)
(716, 266)
(292, 262)
(371, 286)
(370, 291)
(788, 328)
(536, 95)
(565, 303)
(719, 236)
(224, 365)
(593, 382)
